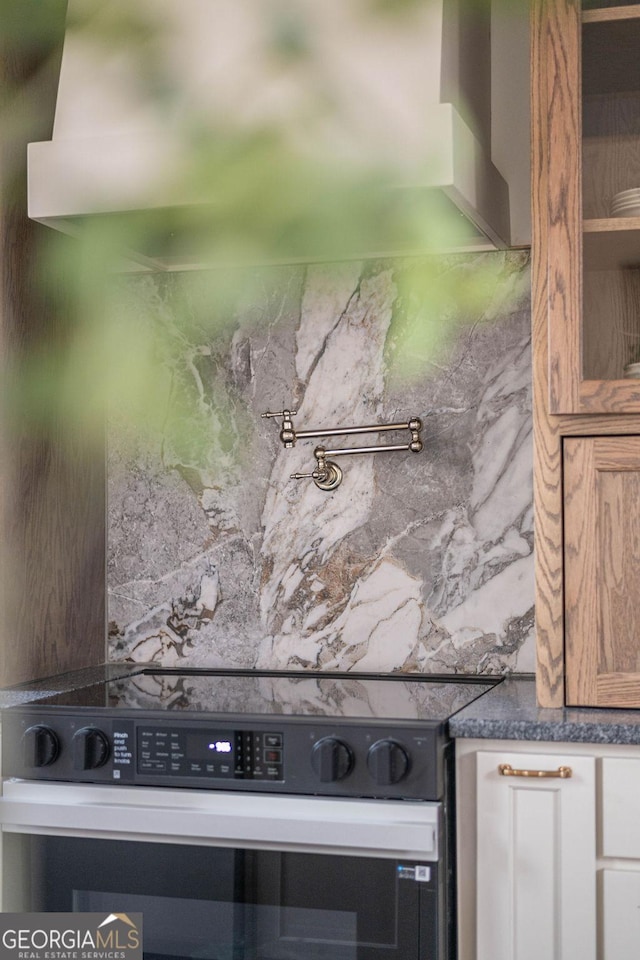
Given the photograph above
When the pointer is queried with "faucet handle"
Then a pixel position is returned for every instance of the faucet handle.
(285, 414)
(328, 476)
(287, 433)
(316, 475)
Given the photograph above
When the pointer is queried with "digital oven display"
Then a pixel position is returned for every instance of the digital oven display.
(205, 746)
(212, 753)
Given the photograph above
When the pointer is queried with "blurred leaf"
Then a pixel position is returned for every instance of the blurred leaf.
(274, 193)
(28, 25)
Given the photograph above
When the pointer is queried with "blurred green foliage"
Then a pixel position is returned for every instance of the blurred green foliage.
(267, 194)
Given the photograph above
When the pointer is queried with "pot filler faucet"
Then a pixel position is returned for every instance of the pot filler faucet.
(328, 475)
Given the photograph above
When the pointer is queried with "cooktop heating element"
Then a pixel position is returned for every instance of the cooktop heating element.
(330, 734)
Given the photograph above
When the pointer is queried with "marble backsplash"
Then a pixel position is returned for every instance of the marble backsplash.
(417, 562)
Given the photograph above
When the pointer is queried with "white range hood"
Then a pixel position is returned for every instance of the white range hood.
(412, 92)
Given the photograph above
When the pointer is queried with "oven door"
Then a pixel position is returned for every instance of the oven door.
(222, 876)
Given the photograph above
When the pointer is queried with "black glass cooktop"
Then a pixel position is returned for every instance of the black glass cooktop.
(270, 693)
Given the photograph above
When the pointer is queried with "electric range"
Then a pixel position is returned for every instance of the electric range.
(335, 734)
(260, 815)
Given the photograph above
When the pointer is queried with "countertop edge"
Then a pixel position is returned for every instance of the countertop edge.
(510, 712)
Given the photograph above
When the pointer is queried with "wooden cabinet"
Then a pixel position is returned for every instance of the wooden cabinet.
(586, 330)
(602, 570)
(592, 82)
(610, 169)
(52, 488)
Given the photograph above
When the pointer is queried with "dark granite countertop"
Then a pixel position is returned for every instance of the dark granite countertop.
(510, 712)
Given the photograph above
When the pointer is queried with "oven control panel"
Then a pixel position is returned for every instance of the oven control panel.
(287, 755)
(210, 753)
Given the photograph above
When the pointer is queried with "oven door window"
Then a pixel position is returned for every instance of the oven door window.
(211, 903)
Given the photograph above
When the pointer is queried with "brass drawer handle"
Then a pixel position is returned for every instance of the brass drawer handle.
(506, 770)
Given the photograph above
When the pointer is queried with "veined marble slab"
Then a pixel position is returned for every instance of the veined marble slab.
(416, 562)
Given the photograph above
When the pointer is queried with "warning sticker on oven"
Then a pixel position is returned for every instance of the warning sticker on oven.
(419, 872)
(70, 936)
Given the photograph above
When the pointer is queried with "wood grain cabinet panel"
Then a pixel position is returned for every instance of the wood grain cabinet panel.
(585, 76)
(602, 570)
(589, 79)
(52, 488)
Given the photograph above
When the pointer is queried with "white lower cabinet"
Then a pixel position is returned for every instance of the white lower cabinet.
(620, 881)
(620, 792)
(548, 866)
(536, 892)
(529, 851)
(621, 914)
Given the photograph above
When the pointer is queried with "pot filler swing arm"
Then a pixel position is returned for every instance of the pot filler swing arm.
(328, 475)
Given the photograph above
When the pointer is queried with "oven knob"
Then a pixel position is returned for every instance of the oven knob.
(90, 749)
(388, 762)
(41, 746)
(331, 759)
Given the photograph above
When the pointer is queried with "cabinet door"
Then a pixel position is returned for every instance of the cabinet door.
(536, 896)
(621, 914)
(620, 791)
(602, 570)
(586, 71)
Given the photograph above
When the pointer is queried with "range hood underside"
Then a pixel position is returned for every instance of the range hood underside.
(75, 180)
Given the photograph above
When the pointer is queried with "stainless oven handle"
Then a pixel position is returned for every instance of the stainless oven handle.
(378, 828)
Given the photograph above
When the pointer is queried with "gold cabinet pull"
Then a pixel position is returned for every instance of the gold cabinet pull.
(506, 770)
